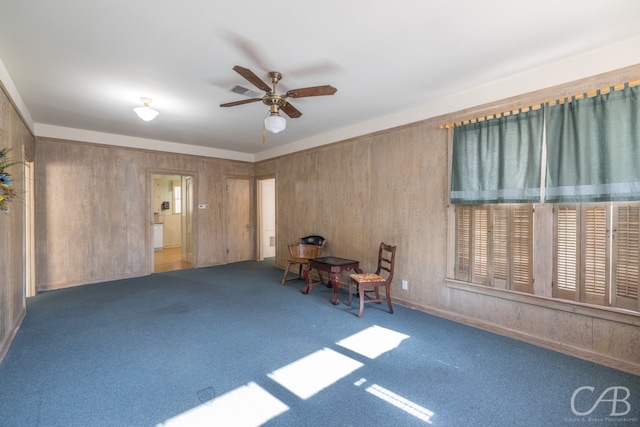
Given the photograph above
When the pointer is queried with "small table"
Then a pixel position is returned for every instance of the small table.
(334, 266)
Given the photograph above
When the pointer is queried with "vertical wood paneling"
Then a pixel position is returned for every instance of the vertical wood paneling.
(386, 186)
(94, 210)
(16, 136)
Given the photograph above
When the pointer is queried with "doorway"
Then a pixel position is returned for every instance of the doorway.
(266, 218)
(172, 242)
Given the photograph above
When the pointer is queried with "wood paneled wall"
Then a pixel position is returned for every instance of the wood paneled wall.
(17, 137)
(94, 212)
(93, 209)
(387, 187)
(393, 186)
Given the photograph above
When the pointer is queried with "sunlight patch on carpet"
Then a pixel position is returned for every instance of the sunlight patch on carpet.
(232, 409)
(307, 376)
(398, 401)
(373, 341)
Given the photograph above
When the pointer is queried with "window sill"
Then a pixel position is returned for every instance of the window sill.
(606, 313)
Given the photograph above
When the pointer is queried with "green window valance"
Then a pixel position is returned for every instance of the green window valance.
(498, 160)
(593, 148)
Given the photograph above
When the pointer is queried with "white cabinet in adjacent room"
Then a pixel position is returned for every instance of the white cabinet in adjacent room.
(157, 236)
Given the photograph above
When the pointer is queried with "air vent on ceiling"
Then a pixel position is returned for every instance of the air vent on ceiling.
(244, 91)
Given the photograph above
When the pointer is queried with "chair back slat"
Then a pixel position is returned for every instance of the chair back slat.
(386, 260)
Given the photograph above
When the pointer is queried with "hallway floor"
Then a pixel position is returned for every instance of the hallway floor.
(169, 259)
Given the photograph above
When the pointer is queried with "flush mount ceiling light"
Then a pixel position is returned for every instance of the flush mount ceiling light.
(146, 113)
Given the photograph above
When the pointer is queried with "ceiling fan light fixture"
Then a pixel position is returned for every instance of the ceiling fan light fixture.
(145, 113)
(274, 122)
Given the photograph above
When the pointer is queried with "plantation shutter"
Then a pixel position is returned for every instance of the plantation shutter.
(522, 248)
(626, 257)
(500, 246)
(480, 252)
(494, 245)
(581, 253)
(463, 243)
(594, 252)
(565, 278)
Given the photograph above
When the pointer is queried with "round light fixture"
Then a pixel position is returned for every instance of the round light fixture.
(274, 122)
(145, 113)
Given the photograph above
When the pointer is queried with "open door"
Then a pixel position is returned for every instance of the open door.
(171, 243)
(187, 251)
(267, 218)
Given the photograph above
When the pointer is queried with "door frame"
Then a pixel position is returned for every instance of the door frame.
(149, 211)
(29, 244)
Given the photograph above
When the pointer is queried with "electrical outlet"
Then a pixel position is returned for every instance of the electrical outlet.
(405, 285)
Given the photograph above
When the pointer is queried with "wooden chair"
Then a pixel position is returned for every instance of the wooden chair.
(370, 282)
(300, 253)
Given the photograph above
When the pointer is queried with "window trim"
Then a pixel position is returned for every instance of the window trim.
(614, 314)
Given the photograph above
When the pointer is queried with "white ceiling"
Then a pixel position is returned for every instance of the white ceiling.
(78, 66)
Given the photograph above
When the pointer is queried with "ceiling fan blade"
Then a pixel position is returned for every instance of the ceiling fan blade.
(250, 76)
(244, 101)
(312, 91)
(246, 47)
(291, 111)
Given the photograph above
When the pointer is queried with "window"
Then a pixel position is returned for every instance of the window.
(597, 253)
(584, 172)
(494, 245)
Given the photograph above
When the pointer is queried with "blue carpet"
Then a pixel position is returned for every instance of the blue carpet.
(216, 345)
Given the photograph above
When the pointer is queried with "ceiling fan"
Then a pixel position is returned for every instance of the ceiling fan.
(276, 101)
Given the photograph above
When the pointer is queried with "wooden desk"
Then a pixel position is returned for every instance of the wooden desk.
(334, 266)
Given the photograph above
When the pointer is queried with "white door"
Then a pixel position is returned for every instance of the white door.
(267, 219)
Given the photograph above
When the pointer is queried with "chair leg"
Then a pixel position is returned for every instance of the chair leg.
(389, 301)
(379, 301)
(286, 273)
(350, 290)
(361, 294)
